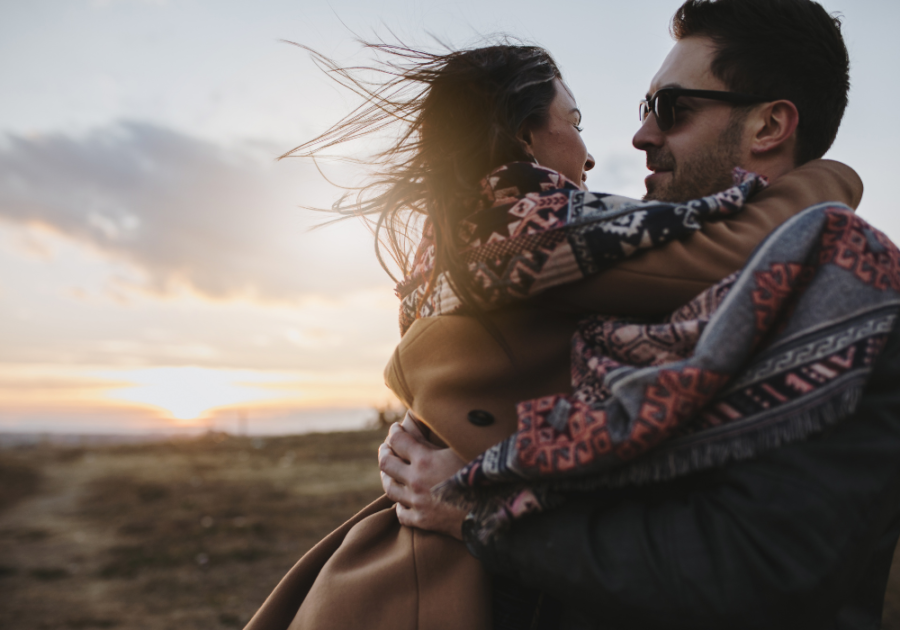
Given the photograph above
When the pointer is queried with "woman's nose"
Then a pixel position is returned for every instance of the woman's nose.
(590, 162)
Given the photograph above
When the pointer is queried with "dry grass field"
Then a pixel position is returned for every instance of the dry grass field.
(184, 534)
(187, 534)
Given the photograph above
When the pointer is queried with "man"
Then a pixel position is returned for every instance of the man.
(803, 535)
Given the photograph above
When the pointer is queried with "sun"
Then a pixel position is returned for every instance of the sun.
(189, 394)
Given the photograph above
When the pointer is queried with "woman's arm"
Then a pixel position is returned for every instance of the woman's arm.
(660, 280)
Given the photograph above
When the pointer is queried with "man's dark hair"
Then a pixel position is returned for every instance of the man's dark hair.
(781, 49)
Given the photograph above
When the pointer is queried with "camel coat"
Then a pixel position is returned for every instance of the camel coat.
(373, 573)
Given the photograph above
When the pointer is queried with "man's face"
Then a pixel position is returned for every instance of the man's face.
(696, 156)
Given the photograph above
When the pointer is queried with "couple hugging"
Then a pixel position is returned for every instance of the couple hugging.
(680, 412)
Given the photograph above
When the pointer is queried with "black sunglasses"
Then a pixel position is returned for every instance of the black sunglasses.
(662, 103)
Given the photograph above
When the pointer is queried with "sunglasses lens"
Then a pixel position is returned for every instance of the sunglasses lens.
(644, 110)
(665, 111)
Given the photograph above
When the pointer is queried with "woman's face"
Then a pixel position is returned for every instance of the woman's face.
(557, 144)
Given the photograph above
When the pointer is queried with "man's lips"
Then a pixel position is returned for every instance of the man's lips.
(657, 174)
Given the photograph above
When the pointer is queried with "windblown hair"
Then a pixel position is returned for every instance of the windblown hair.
(456, 116)
(781, 49)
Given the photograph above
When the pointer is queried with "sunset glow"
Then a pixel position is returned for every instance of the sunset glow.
(191, 393)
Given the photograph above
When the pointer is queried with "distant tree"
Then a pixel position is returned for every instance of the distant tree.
(387, 415)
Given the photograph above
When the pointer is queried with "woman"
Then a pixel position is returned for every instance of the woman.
(463, 116)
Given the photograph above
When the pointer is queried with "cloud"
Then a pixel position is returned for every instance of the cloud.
(186, 212)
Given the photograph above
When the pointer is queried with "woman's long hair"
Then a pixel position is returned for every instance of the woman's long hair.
(457, 116)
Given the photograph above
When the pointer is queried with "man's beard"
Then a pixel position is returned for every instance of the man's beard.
(702, 175)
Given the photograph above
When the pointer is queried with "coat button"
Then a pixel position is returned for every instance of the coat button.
(481, 418)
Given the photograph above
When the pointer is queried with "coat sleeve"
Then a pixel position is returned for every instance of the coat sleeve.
(661, 279)
(776, 542)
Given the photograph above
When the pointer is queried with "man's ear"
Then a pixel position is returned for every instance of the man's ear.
(773, 125)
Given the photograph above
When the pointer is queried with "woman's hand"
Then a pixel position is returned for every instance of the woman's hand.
(411, 467)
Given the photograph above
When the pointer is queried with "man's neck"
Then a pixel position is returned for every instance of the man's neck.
(770, 166)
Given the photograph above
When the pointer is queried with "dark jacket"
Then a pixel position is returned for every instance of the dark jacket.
(801, 537)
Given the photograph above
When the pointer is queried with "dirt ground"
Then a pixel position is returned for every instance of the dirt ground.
(184, 534)
(188, 534)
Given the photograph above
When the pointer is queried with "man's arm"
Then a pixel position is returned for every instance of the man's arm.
(773, 542)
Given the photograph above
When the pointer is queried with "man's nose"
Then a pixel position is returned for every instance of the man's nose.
(590, 162)
(648, 135)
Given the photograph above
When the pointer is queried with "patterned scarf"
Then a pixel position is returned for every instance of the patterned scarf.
(772, 354)
(538, 230)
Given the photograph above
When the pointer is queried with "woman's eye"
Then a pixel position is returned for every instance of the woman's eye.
(579, 129)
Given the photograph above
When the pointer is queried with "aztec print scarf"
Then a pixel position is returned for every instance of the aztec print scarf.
(539, 230)
(772, 354)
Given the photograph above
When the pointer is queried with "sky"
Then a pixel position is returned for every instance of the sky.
(158, 267)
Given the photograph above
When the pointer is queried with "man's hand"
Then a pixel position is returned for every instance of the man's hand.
(411, 467)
